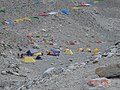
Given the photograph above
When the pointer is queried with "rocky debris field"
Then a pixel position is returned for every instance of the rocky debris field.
(88, 27)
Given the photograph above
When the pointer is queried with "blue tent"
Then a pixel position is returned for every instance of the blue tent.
(65, 12)
(90, 3)
(55, 51)
(31, 52)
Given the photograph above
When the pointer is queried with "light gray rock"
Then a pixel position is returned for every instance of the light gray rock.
(72, 67)
(48, 72)
(52, 71)
(3, 72)
(4, 55)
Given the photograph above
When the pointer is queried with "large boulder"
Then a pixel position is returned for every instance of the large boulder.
(52, 71)
(110, 71)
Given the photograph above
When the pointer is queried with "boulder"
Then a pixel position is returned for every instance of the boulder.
(110, 71)
(52, 71)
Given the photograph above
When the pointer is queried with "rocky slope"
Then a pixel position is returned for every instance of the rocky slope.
(94, 26)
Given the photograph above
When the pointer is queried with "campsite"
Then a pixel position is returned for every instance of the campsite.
(59, 44)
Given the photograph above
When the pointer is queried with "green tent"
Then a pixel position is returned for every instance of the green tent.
(2, 9)
(34, 17)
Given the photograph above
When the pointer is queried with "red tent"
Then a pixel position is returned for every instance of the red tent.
(42, 14)
(84, 5)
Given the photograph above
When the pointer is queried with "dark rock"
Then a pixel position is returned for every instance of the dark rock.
(95, 61)
(117, 43)
(111, 71)
(71, 60)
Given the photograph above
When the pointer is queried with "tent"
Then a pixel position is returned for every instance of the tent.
(26, 19)
(34, 17)
(76, 7)
(22, 19)
(96, 51)
(49, 52)
(55, 51)
(96, 1)
(36, 3)
(7, 22)
(88, 50)
(90, 2)
(80, 50)
(68, 51)
(65, 12)
(31, 52)
(53, 13)
(42, 15)
(38, 54)
(1, 22)
(29, 35)
(71, 43)
(2, 9)
(28, 59)
(84, 5)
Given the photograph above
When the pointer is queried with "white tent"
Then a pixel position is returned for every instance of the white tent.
(52, 13)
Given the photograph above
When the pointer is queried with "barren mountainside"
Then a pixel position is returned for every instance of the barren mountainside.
(94, 26)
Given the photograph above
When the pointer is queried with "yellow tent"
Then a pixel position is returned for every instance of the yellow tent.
(88, 50)
(39, 53)
(26, 19)
(96, 51)
(28, 59)
(17, 21)
(68, 51)
(80, 50)
(22, 19)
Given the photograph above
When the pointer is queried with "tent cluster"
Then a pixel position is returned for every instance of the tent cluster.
(70, 52)
(53, 52)
(30, 54)
(34, 52)
(37, 16)
(64, 11)
(86, 4)
(54, 13)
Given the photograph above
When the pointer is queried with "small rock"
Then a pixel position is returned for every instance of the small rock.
(4, 55)
(3, 72)
(110, 54)
(71, 60)
(113, 50)
(72, 67)
(12, 65)
(7, 88)
(95, 61)
(95, 88)
(52, 63)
